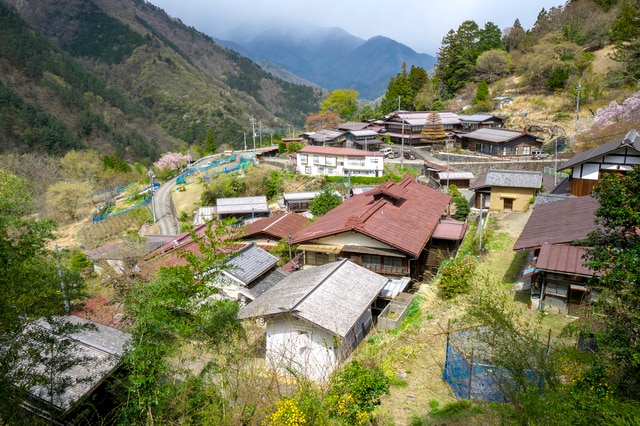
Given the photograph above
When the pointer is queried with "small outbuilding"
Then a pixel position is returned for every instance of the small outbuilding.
(316, 317)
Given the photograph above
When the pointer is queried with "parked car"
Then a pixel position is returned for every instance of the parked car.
(386, 152)
(408, 155)
(539, 155)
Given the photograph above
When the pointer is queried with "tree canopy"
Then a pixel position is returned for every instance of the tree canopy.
(615, 253)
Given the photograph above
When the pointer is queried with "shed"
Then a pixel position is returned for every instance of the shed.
(242, 208)
(316, 317)
(98, 349)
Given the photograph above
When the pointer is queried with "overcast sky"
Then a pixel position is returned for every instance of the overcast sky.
(420, 24)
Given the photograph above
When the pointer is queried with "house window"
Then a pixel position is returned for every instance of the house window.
(374, 160)
(317, 258)
(303, 158)
(526, 150)
(331, 161)
(307, 170)
(356, 162)
(316, 159)
(515, 150)
(321, 170)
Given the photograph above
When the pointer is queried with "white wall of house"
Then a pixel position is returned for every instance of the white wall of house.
(354, 238)
(315, 164)
(295, 344)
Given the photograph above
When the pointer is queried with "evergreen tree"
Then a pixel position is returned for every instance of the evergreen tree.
(433, 129)
(513, 36)
(209, 142)
(626, 33)
(457, 57)
(482, 92)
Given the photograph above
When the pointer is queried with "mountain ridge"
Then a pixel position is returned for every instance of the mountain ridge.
(363, 65)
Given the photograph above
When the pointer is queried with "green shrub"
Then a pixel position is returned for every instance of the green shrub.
(455, 276)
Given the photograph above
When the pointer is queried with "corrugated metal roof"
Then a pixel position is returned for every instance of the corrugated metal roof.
(563, 258)
(558, 222)
(450, 229)
(455, 175)
(297, 196)
(495, 135)
(333, 296)
(279, 225)
(321, 248)
(256, 204)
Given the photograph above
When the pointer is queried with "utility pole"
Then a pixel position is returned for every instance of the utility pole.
(480, 224)
(245, 141)
(153, 210)
(578, 106)
(260, 131)
(253, 131)
(62, 285)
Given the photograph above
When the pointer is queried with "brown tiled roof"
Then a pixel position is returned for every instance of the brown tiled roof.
(279, 225)
(563, 258)
(402, 215)
(327, 150)
(559, 222)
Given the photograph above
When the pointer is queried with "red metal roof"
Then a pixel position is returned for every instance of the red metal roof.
(279, 225)
(558, 222)
(450, 229)
(563, 258)
(402, 215)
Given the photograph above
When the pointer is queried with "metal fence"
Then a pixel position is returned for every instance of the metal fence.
(468, 369)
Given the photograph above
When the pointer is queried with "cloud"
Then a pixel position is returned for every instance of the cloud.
(420, 24)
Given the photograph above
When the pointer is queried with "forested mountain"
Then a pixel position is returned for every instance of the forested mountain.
(330, 57)
(123, 77)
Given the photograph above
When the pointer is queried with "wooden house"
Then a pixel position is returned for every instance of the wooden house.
(558, 274)
(386, 229)
(587, 167)
(500, 142)
(470, 123)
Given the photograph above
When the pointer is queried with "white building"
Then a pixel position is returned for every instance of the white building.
(330, 161)
(316, 317)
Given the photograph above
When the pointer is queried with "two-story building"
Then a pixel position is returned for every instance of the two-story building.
(587, 167)
(500, 142)
(387, 229)
(329, 161)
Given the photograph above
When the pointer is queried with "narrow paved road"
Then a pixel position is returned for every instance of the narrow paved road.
(162, 210)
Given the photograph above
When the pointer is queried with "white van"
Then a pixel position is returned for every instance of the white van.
(386, 152)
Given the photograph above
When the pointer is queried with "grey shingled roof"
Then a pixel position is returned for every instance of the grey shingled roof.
(495, 135)
(514, 178)
(249, 263)
(333, 296)
(267, 281)
(101, 347)
(630, 141)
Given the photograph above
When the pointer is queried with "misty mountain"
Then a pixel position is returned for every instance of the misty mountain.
(328, 57)
(124, 78)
